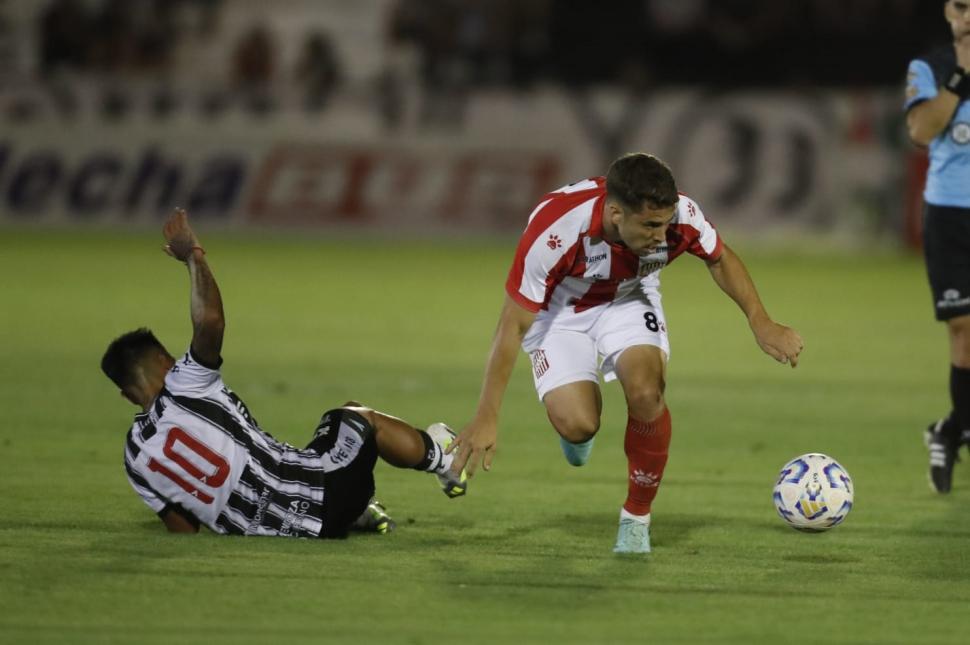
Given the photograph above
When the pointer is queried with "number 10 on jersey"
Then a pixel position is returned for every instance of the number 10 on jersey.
(213, 479)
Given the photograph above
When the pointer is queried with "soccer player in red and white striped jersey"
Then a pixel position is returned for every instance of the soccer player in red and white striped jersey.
(196, 455)
(583, 299)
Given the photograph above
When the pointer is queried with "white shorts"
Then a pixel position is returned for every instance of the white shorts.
(566, 347)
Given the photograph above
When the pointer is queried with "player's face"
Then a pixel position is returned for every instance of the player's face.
(645, 230)
(958, 15)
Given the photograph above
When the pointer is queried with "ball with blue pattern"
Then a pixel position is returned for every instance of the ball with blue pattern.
(813, 493)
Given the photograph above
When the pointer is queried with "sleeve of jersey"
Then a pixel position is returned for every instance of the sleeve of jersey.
(146, 493)
(535, 268)
(189, 377)
(705, 243)
(920, 84)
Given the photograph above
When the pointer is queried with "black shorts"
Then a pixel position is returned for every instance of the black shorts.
(946, 246)
(346, 441)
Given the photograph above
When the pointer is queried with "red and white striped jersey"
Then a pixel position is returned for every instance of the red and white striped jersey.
(563, 261)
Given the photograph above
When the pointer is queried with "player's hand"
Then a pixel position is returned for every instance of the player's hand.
(180, 237)
(778, 341)
(475, 443)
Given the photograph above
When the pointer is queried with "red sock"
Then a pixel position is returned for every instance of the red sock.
(646, 453)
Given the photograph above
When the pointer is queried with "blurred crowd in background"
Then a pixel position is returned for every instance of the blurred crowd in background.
(448, 48)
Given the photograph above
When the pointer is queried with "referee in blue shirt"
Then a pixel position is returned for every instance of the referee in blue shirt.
(938, 116)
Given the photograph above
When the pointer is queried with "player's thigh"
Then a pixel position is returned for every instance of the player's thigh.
(574, 410)
(946, 248)
(634, 322)
(560, 357)
(345, 441)
(641, 371)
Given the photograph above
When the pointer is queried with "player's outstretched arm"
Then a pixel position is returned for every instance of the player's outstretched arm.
(778, 341)
(477, 440)
(208, 319)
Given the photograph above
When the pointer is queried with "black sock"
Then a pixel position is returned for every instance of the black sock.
(432, 453)
(960, 396)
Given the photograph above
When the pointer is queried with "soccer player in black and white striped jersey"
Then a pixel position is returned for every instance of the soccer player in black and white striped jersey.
(197, 456)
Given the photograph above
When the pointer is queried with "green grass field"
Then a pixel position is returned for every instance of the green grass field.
(526, 556)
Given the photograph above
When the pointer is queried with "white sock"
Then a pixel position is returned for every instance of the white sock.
(627, 515)
(435, 459)
(444, 462)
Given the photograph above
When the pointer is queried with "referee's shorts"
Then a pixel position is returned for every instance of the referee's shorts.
(946, 247)
(346, 441)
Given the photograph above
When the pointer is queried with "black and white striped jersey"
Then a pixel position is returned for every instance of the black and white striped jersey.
(200, 449)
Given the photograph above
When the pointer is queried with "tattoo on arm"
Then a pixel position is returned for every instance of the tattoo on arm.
(208, 318)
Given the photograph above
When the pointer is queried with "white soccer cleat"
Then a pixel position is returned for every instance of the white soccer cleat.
(452, 485)
(633, 536)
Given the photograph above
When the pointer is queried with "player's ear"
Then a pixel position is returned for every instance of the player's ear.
(614, 211)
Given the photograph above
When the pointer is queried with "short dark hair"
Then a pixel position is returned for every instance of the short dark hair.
(637, 178)
(124, 352)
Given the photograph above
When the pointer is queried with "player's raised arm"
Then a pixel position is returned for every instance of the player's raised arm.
(929, 115)
(478, 440)
(208, 319)
(780, 342)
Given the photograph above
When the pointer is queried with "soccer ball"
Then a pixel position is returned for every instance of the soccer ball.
(813, 492)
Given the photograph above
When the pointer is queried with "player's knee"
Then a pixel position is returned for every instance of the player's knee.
(575, 428)
(646, 402)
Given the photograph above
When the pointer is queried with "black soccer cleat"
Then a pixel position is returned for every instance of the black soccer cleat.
(943, 455)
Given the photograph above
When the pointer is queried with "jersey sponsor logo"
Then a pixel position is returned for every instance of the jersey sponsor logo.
(261, 505)
(952, 299)
(294, 517)
(593, 259)
(554, 242)
(345, 451)
(960, 133)
(540, 364)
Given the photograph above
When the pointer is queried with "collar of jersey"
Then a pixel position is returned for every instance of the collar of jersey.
(596, 222)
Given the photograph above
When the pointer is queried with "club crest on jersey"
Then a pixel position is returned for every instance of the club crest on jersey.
(653, 262)
(961, 133)
(554, 242)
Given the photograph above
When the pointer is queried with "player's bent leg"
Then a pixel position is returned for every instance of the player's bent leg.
(401, 444)
(574, 410)
(398, 442)
(346, 442)
(640, 369)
